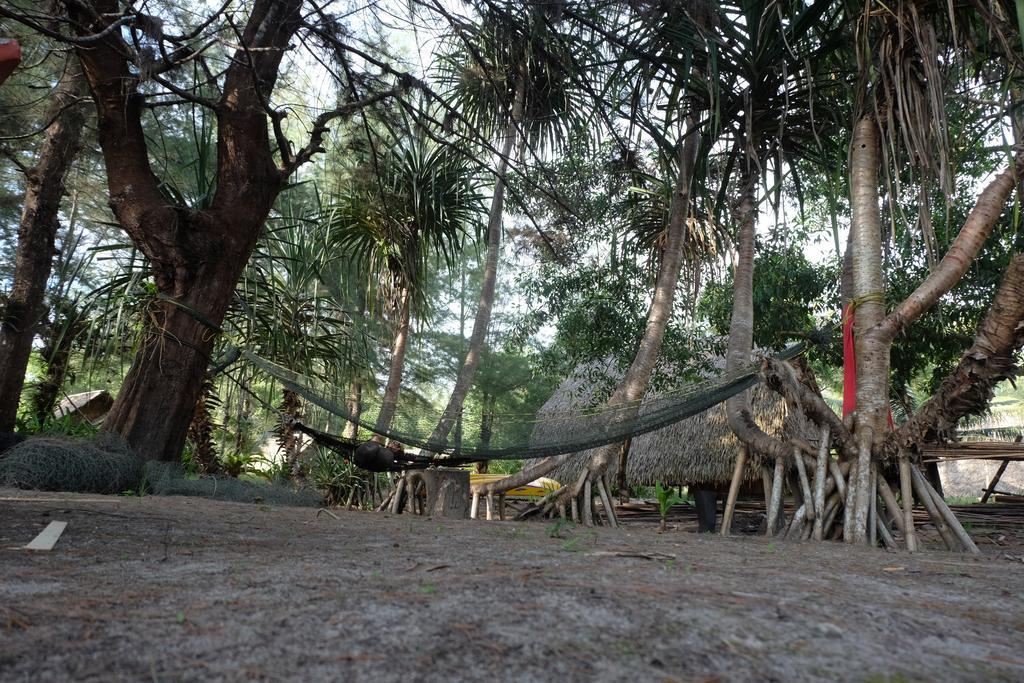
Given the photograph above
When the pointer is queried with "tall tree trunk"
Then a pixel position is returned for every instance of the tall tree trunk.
(150, 411)
(398, 348)
(196, 256)
(37, 231)
(868, 305)
(741, 326)
(631, 389)
(490, 277)
(355, 408)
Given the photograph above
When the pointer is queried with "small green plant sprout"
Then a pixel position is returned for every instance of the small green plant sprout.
(555, 530)
(666, 499)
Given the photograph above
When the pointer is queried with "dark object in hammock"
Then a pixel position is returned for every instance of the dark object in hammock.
(373, 456)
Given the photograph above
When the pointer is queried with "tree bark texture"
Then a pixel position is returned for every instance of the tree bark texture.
(741, 327)
(633, 386)
(197, 256)
(37, 231)
(394, 385)
(482, 322)
(969, 389)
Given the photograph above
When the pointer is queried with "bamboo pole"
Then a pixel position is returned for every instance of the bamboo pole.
(819, 483)
(906, 492)
(734, 490)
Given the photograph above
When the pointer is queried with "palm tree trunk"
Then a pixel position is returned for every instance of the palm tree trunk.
(634, 384)
(490, 277)
(869, 306)
(355, 408)
(37, 232)
(741, 327)
(394, 386)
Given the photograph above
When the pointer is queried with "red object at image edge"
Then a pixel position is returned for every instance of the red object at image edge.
(10, 57)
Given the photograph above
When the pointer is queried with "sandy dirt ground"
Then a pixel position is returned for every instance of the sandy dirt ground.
(181, 589)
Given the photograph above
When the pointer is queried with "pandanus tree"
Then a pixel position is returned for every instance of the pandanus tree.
(900, 118)
(132, 61)
(399, 225)
(897, 45)
(655, 70)
(509, 79)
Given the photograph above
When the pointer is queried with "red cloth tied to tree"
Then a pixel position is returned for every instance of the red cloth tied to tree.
(10, 57)
(850, 365)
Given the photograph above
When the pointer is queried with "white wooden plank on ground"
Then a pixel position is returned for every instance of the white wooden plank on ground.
(48, 537)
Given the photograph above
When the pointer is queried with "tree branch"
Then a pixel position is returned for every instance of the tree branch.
(958, 258)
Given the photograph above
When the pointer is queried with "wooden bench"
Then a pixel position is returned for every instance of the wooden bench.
(537, 488)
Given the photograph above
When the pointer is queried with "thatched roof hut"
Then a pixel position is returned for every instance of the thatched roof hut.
(701, 448)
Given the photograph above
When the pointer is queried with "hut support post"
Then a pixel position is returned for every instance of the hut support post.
(474, 506)
(734, 490)
(767, 485)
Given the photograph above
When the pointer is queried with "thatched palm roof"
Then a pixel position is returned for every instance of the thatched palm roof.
(701, 448)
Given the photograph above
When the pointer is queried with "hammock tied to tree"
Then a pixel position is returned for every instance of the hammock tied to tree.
(514, 436)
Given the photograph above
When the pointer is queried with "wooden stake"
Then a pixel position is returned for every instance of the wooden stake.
(734, 490)
(819, 484)
(995, 482)
(501, 507)
(474, 506)
(490, 506)
(906, 492)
